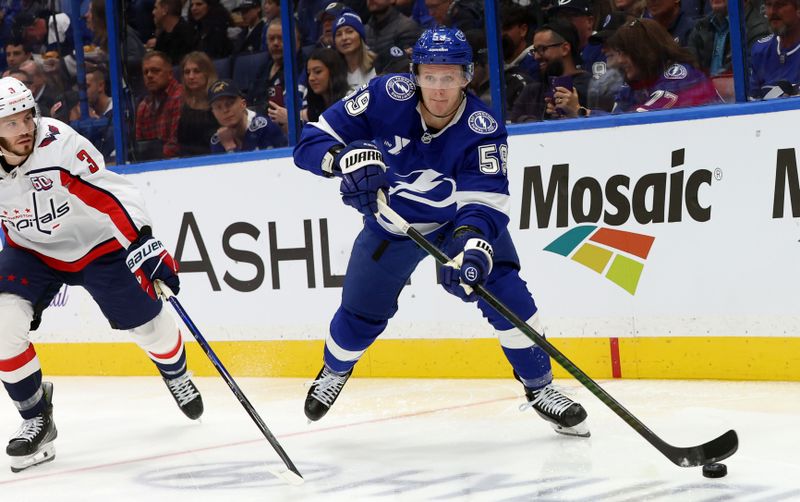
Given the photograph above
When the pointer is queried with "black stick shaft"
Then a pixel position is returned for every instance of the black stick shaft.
(717, 449)
(233, 385)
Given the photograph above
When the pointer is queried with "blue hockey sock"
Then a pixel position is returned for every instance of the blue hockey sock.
(349, 337)
(532, 366)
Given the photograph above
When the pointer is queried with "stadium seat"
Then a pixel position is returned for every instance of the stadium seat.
(223, 67)
(247, 68)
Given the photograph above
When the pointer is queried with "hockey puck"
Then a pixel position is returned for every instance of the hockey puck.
(715, 470)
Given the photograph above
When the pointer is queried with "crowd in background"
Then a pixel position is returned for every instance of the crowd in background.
(205, 76)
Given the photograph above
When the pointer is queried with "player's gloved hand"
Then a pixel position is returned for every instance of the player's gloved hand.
(363, 175)
(149, 261)
(471, 266)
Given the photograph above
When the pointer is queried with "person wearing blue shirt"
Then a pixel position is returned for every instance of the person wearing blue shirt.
(775, 60)
(439, 155)
(241, 130)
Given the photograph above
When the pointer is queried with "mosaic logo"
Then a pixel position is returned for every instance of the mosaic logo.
(610, 252)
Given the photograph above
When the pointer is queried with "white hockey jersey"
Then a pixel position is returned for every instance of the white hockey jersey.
(64, 206)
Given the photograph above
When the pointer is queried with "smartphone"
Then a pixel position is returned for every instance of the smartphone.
(564, 81)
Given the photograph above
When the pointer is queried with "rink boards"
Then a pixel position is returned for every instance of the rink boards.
(655, 251)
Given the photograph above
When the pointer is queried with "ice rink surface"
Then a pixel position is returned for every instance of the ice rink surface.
(123, 439)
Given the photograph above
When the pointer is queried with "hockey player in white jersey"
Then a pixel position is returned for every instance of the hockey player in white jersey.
(68, 220)
(440, 155)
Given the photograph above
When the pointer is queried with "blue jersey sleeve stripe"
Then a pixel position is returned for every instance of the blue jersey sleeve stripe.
(325, 127)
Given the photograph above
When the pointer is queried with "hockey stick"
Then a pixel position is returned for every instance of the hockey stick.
(292, 475)
(692, 456)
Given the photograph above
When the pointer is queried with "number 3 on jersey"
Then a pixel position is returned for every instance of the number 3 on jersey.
(490, 161)
(84, 155)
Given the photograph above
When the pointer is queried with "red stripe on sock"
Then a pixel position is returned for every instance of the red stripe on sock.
(19, 361)
(171, 353)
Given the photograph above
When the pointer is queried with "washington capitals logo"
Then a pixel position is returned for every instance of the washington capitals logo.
(51, 135)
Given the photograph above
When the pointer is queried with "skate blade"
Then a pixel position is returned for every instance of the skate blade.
(45, 454)
(580, 430)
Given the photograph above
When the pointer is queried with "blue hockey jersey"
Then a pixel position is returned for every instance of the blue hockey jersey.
(456, 174)
(769, 64)
(261, 134)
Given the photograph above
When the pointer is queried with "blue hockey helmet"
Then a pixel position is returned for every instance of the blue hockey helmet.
(443, 46)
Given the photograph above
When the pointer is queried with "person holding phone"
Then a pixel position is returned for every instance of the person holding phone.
(562, 85)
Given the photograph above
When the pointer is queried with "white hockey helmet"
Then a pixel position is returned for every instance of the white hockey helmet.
(15, 97)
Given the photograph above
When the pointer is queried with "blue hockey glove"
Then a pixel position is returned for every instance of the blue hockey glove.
(149, 261)
(471, 266)
(363, 175)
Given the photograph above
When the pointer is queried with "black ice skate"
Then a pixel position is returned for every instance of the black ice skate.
(323, 392)
(186, 395)
(32, 444)
(565, 415)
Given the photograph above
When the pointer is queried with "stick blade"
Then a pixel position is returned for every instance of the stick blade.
(291, 477)
(713, 451)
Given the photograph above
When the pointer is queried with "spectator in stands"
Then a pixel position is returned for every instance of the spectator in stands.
(516, 23)
(210, 22)
(100, 106)
(659, 74)
(348, 37)
(158, 113)
(668, 14)
(325, 18)
(606, 81)
(327, 83)
(272, 10)
(515, 80)
(710, 41)
(17, 53)
(555, 47)
(241, 130)
(269, 86)
(45, 92)
(581, 14)
(175, 37)
(46, 31)
(775, 60)
(463, 14)
(387, 27)
(249, 39)
(197, 124)
(96, 21)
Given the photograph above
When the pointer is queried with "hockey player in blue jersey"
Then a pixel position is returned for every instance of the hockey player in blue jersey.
(440, 156)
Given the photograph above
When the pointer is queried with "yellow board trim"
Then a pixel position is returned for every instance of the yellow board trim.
(723, 358)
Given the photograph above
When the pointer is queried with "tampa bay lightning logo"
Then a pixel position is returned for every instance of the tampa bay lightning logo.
(257, 123)
(482, 123)
(676, 72)
(400, 88)
(426, 186)
(471, 273)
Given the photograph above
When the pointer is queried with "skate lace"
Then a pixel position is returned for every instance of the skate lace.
(182, 388)
(549, 400)
(328, 387)
(30, 428)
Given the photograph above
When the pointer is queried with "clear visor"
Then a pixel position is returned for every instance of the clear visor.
(447, 78)
(18, 124)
